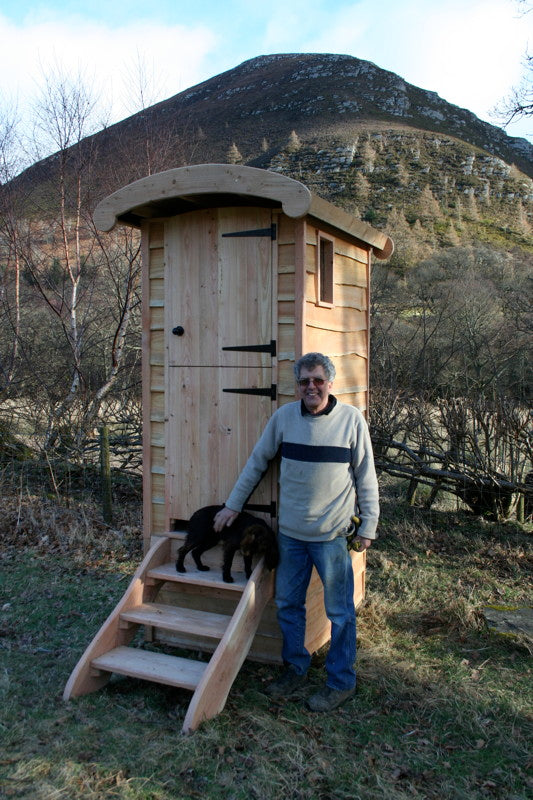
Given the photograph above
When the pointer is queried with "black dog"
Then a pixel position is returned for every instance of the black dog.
(247, 533)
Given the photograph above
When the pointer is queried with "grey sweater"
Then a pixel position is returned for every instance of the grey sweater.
(327, 471)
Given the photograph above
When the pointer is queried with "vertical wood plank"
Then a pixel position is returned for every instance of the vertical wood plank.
(300, 344)
(146, 380)
(219, 289)
(211, 434)
(368, 271)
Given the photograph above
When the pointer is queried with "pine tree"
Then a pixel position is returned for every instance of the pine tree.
(294, 143)
(521, 222)
(451, 237)
(471, 206)
(233, 156)
(367, 155)
(361, 187)
(428, 207)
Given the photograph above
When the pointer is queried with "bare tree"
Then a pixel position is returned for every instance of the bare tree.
(141, 89)
(63, 114)
(476, 448)
(520, 102)
(451, 376)
(120, 263)
(77, 291)
(10, 163)
(458, 322)
(160, 141)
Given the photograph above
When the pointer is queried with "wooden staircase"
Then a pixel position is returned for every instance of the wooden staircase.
(210, 681)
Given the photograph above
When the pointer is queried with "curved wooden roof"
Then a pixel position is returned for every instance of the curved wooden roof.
(176, 191)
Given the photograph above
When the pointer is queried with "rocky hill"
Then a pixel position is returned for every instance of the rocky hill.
(356, 134)
(269, 96)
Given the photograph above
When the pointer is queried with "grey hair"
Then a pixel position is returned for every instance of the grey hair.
(312, 360)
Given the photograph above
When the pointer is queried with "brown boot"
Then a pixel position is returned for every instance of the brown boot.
(287, 683)
(327, 699)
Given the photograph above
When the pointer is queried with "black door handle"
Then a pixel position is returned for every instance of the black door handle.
(178, 330)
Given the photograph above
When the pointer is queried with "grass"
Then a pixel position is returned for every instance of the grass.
(442, 708)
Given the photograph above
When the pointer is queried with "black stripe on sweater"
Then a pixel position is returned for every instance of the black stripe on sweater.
(318, 454)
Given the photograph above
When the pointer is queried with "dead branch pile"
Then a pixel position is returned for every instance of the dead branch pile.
(477, 449)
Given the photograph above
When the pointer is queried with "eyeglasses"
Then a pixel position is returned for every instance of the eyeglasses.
(304, 382)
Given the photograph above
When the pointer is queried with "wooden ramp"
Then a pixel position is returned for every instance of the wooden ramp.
(231, 634)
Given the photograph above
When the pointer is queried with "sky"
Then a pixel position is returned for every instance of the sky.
(471, 52)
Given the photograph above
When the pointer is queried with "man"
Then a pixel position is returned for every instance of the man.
(326, 457)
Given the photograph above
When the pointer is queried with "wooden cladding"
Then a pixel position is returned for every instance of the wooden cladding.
(153, 301)
(285, 306)
(307, 290)
(335, 310)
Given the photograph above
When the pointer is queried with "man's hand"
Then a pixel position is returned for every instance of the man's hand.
(360, 543)
(224, 518)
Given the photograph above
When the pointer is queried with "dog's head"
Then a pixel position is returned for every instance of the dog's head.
(259, 539)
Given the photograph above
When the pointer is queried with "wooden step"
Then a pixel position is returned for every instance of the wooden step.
(181, 620)
(150, 666)
(211, 558)
(212, 579)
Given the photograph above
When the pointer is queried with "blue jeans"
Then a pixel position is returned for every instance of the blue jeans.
(334, 566)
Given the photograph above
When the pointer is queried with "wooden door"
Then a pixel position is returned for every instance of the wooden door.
(219, 353)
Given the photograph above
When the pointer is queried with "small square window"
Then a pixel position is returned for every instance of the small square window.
(326, 251)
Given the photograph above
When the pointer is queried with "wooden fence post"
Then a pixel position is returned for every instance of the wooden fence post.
(411, 491)
(105, 475)
(521, 508)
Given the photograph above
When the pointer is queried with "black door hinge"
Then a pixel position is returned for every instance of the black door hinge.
(255, 348)
(256, 232)
(265, 509)
(272, 392)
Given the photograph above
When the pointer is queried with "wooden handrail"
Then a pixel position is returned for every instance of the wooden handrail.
(211, 693)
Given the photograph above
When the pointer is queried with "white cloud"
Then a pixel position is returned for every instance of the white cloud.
(470, 53)
(105, 56)
(471, 56)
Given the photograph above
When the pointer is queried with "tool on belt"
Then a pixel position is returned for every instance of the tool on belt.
(351, 540)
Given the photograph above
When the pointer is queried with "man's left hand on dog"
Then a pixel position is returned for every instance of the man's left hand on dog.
(224, 518)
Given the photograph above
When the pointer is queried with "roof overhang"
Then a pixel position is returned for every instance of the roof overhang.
(183, 189)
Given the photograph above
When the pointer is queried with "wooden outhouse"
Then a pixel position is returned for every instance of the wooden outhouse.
(244, 270)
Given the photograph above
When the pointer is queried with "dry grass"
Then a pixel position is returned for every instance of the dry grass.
(51, 525)
(442, 709)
